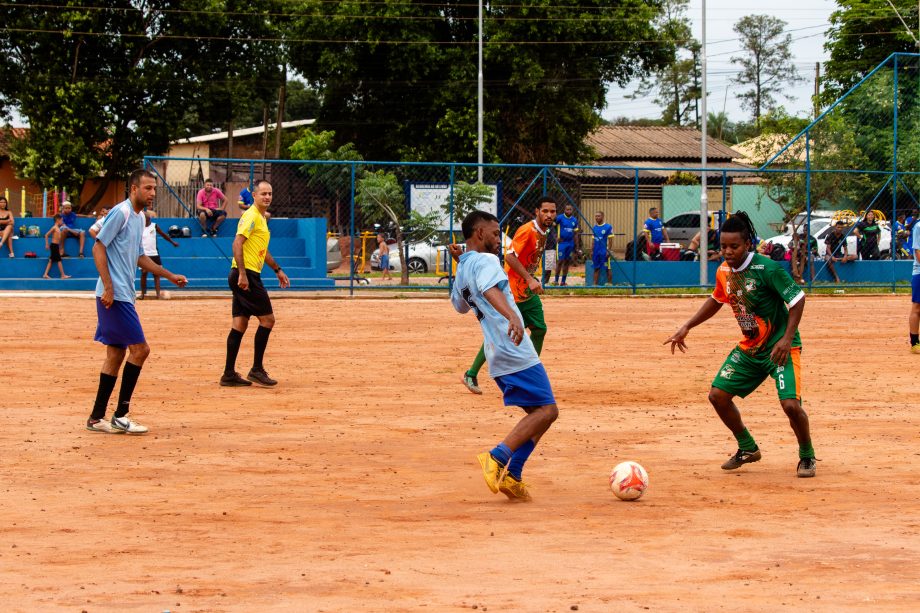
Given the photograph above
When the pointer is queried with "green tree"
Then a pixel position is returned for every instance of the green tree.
(468, 197)
(400, 78)
(334, 179)
(862, 34)
(381, 198)
(677, 85)
(110, 82)
(766, 65)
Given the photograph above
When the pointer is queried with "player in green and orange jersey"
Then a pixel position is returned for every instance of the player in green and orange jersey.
(521, 263)
(768, 305)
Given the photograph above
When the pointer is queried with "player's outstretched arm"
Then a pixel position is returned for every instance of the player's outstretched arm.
(707, 310)
(146, 264)
(496, 298)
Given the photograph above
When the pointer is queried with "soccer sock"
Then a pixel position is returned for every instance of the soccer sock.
(557, 279)
(477, 363)
(806, 451)
(129, 376)
(520, 455)
(536, 337)
(564, 276)
(106, 386)
(261, 343)
(233, 349)
(914, 339)
(746, 441)
(501, 453)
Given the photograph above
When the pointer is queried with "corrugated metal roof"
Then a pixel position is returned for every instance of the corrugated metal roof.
(615, 143)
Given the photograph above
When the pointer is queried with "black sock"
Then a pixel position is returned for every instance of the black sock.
(261, 343)
(106, 385)
(914, 339)
(233, 349)
(129, 376)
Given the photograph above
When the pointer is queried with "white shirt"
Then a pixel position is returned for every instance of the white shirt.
(149, 239)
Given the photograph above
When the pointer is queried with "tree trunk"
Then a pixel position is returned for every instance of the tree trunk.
(89, 205)
(403, 257)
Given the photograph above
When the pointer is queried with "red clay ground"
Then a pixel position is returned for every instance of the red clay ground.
(353, 485)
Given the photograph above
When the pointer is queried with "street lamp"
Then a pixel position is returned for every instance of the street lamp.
(704, 197)
(479, 110)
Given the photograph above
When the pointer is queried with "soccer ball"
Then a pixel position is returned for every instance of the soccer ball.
(628, 480)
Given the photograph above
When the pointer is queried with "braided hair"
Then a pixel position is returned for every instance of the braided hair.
(740, 222)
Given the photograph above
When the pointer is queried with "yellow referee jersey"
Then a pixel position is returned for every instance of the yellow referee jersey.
(254, 227)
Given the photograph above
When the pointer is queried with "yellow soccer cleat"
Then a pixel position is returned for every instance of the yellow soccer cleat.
(492, 471)
(514, 489)
(915, 348)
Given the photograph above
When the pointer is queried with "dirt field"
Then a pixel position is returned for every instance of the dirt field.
(353, 485)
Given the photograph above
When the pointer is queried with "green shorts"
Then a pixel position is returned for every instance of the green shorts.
(532, 313)
(741, 374)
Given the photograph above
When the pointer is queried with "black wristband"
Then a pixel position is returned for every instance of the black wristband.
(277, 270)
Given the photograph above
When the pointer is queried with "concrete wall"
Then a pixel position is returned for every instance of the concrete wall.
(752, 199)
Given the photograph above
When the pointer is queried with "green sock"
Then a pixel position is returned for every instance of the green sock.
(536, 337)
(477, 363)
(806, 451)
(746, 441)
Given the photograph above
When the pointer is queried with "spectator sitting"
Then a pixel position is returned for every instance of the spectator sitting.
(799, 263)
(211, 206)
(57, 238)
(836, 242)
(7, 222)
(246, 201)
(69, 227)
(94, 229)
(713, 248)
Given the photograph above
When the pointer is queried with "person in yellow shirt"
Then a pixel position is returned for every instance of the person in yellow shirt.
(250, 299)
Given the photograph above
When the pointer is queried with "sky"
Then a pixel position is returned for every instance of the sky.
(807, 21)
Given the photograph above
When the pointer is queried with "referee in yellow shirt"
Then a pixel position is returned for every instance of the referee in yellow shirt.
(250, 254)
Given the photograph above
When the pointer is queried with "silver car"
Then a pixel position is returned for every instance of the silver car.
(423, 257)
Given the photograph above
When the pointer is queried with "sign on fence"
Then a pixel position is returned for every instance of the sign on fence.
(427, 197)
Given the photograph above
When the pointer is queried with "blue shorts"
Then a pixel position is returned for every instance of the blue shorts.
(526, 388)
(599, 260)
(915, 289)
(384, 262)
(119, 325)
(565, 251)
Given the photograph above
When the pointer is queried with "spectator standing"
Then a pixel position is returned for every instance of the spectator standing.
(600, 252)
(837, 251)
(55, 248)
(914, 320)
(384, 250)
(867, 233)
(7, 223)
(118, 252)
(69, 227)
(211, 206)
(151, 229)
(657, 233)
(568, 244)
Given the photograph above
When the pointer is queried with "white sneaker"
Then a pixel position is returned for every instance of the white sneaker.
(100, 425)
(123, 424)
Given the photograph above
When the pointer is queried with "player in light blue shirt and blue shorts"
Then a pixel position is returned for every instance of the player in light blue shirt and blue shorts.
(914, 320)
(481, 286)
(117, 253)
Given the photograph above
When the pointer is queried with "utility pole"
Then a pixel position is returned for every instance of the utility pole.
(817, 87)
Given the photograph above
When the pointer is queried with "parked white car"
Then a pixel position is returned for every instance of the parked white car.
(423, 257)
(821, 226)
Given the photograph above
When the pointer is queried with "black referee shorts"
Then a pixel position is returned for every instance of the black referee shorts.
(253, 302)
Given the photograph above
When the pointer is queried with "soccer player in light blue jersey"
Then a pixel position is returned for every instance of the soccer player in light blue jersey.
(481, 286)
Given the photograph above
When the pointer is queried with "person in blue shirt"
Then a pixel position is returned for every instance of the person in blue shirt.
(117, 253)
(600, 252)
(568, 242)
(657, 233)
(69, 226)
(481, 286)
(914, 319)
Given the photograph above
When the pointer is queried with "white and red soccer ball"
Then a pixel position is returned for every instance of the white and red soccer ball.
(628, 480)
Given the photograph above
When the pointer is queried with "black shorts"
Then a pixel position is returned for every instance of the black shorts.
(55, 252)
(156, 259)
(251, 302)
